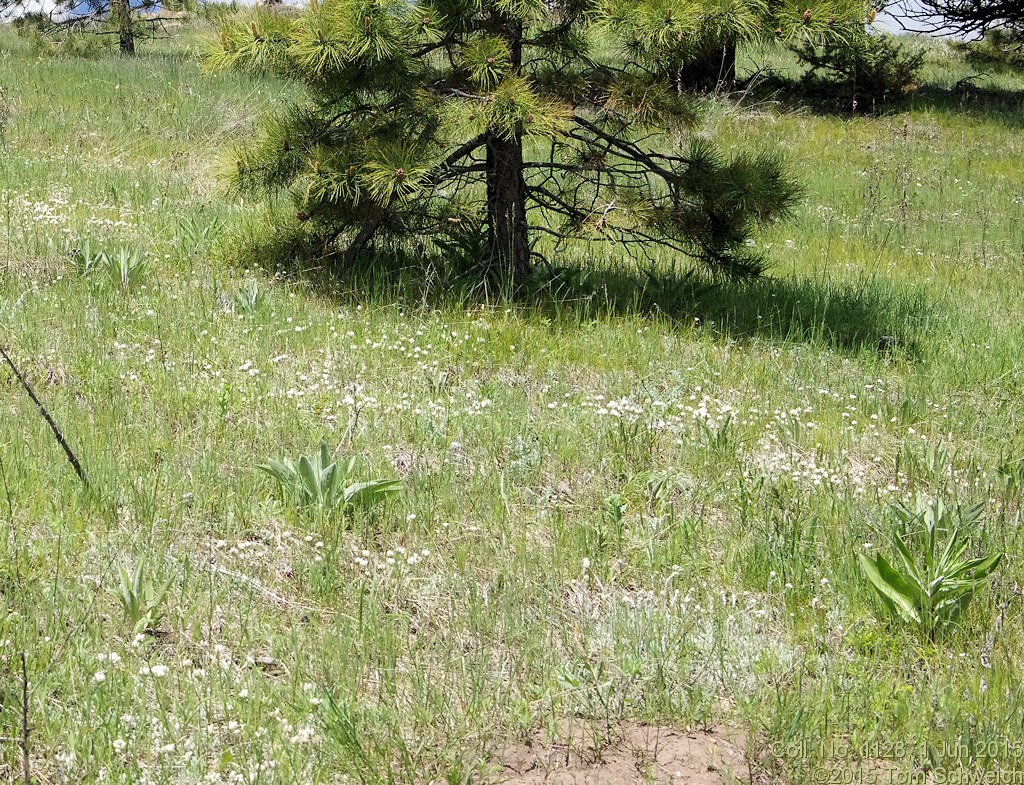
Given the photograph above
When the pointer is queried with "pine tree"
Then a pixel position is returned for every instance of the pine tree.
(65, 17)
(498, 120)
(695, 44)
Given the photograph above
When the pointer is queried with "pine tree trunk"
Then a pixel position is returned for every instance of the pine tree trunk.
(507, 233)
(122, 15)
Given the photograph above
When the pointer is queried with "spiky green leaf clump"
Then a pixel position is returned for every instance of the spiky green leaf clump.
(141, 598)
(321, 483)
(930, 589)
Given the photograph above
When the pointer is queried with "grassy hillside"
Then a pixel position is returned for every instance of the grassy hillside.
(614, 515)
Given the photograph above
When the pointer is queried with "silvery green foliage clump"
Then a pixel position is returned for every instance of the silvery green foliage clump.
(932, 579)
(323, 483)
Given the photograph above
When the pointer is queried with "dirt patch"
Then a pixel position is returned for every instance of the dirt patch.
(635, 755)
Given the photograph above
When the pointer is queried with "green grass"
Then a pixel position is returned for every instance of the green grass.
(754, 436)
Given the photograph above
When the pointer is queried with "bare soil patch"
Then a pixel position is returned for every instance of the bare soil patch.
(636, 754)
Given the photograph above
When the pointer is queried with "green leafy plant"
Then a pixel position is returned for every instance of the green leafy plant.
(322, 483)
(125, 268)
(87, 257)
(615, 510)
(248, 299)
(197, 232)
(141, 598)
(223, 400)
(719, 433)
(931, 588)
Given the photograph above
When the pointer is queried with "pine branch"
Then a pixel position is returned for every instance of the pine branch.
(627, 149)
(363, 238)
(372, 224)
(436, 175)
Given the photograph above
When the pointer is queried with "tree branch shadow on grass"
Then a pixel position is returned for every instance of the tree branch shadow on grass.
(871, 314)
(849, 316)
(1005, 106)
(964, 97)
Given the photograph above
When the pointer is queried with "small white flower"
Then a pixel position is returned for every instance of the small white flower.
(304, 736)
(120, 744)
(99, 677)
(159, 671)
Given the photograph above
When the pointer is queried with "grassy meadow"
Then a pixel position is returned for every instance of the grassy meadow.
(614, 513)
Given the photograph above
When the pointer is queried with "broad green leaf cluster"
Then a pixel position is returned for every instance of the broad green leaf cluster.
(322, 483)
(125, 267)
(933, 578)
(141, 598)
